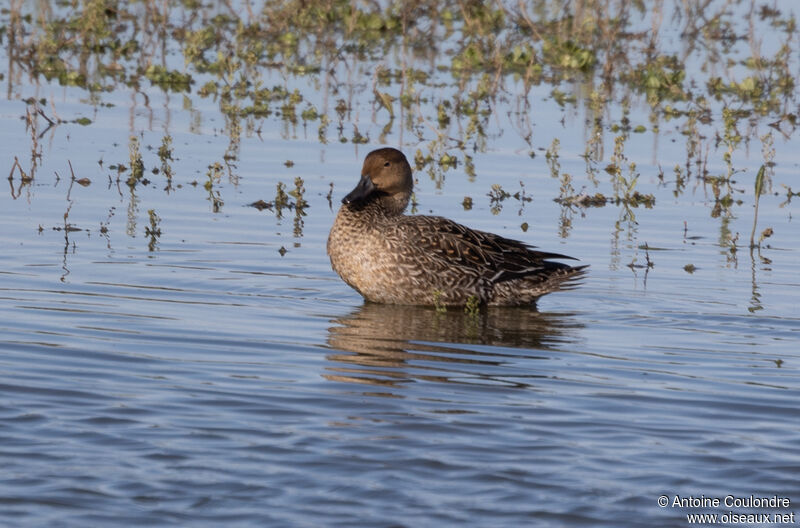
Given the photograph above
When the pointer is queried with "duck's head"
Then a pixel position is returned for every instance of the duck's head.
(386, 176)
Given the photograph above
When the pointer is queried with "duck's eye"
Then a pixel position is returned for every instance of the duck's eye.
(386, 164)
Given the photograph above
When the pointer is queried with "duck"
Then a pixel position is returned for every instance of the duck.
(390, 257)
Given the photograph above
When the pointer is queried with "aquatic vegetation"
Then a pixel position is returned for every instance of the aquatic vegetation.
(281, 201)
(300, 205)
(213, 177)
(168, 80)
(24, 177)
(153, 230)
(551, 155)
(448, 78)
(624, 181)
(165, 155)
(473, 306)
(137, 165)
(496, 198)
(759, 190)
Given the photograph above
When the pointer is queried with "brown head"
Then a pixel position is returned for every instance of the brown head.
(386, 177)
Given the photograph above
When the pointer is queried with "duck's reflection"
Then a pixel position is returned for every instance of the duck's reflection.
(391, 345)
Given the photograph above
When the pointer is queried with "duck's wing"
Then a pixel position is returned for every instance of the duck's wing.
(494, 258)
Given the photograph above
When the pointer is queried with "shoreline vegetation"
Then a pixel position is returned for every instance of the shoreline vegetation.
(440, 75)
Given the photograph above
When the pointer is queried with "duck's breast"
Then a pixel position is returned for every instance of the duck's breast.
(363, 257)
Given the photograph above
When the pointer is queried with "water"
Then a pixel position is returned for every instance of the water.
(221, 373)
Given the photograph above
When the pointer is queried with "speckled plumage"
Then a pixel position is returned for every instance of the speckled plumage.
(389, 257)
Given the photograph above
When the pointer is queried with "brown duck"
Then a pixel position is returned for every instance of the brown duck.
(392, 258)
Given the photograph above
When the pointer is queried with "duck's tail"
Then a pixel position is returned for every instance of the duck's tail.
(555, 276)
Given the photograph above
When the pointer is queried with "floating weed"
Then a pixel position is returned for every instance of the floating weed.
(168, 80)
(447, 161)
(443, 110)
(729, 241)
(358, 138)
(562, 98)
(648, 264)
(469, 168)
(137, 165)
(730, 138)
(24, 177)
(300, 205)
(165, 149)
(635, 199)
(768, 153)
(281, 200)
(153, 230)
(496, 197)
(310, 113)
(165, 155)
(289, 108)
(473, 306)
(104, 226)
(693, 140)
(521, 195)
(551, 155)
(624, 184)
(261, 205)
(680, 181)
(564, 222)
(661, 79)
(759, 190)
(384, 100)
(566, 191)
(421, 160)
(568, 54)
(322, 132)
(789, 195)
(214, 176)
(765, 234)
(31, 124)
(584, 200)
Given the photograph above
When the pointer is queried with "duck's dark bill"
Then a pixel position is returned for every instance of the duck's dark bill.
(362, 190)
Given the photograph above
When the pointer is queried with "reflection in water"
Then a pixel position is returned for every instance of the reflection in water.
(389, 345)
